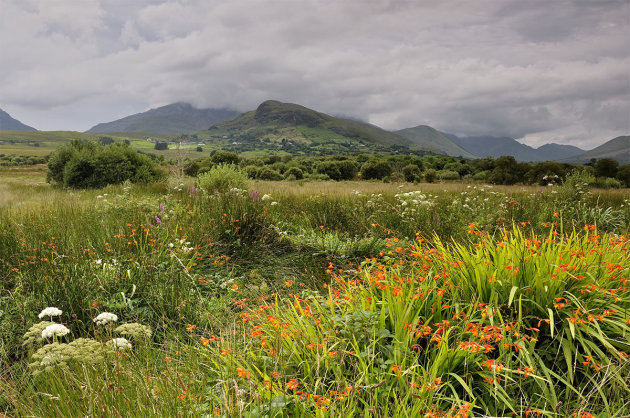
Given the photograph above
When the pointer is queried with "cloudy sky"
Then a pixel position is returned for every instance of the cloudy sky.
(537, 70)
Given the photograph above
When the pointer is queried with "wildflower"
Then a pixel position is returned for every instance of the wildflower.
(55, 330)
(105, 318)
(158, 221)
(243, 373)
(120, 344)
(50, 311)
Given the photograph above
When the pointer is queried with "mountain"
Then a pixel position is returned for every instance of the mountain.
(171, 119)
(556, 152)
(430, 138)
(7, 123)
(296, 128)
(492, 146)
(617, 148)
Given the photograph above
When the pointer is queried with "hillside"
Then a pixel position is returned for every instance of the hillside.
(11, 124)
(492, 146)
(558, 151)
(171, 119)
(617, 148)
(431, 138)
(297, 129)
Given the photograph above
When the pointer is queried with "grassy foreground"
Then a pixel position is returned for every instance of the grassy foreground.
(312, 300)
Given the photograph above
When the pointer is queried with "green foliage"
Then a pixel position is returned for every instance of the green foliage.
(430, 175)
(447, 175)
(222, 178)
(294, 173)
(375, 169)
(160, 146)
(84, 164)
(224, 157)
(606, 167)
(412, 173)
(268, 173)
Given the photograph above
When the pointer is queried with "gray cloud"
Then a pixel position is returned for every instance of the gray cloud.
(535, 70)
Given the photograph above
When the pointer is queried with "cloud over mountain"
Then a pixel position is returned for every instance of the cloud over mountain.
(538, 70)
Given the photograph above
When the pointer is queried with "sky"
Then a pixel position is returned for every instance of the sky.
(537, 70)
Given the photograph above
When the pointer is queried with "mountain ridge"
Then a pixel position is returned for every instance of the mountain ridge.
(174, 118)
(8, 123)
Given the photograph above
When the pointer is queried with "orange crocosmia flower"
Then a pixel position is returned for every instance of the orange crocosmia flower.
(225, 352)
(243, 373)
(205, 341)
(190, 327)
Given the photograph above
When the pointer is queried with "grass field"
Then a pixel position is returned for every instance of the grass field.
(313, 299)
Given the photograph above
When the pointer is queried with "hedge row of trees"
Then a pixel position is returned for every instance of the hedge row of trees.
(12, 160)
(502, 170)
(88, 164)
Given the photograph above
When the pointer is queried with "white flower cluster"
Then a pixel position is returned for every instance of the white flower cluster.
(266, 197)
(105, 318)
(413, 201)
(50, 312)
(54, 330)
(119, 344)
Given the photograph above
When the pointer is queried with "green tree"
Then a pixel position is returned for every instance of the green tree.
(606, 167)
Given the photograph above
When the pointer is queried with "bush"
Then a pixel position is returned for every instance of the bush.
(376, 169)
(222, 178)
(430, 175)
(85, 164)
(411, 173)
(447, 175)
(191, 168)
(268, 173)
(160, 146)
(296, 172)
(224, 157)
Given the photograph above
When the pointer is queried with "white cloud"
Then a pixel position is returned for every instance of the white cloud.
(537, 70)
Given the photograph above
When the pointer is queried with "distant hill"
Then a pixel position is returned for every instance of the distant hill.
(430, 138)
(175, 118)
(294, 128)
(492, 146)
(557, 152)
(10, 124)
(617, 148)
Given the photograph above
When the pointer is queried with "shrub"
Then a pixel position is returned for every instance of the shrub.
(268, 173)
(447, 175)
(84, 164)
(430, 175)
(222, 178)
(296, 172)
(411, 173)
(376, 169)
(224, 157)
(191, 168)
(160, 146)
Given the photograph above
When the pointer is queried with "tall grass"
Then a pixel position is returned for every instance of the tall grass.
(364, 300)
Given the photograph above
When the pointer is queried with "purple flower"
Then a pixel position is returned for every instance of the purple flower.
(162, 209)
(159, 222)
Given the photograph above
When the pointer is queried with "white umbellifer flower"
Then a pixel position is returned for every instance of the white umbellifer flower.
(266, 197)
(105, 318)
(120, 344)
(49, 311)
(54, 330)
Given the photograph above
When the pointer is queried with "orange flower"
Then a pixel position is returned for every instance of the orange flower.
(243, 373)
(190, 327)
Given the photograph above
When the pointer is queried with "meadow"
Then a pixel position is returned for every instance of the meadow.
(310, 298)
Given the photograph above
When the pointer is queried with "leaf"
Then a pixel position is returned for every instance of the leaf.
(551, 323)
(512, 293)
